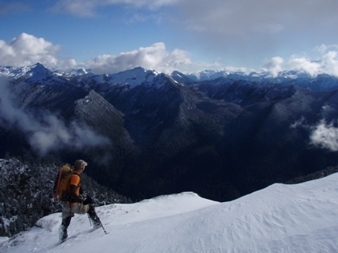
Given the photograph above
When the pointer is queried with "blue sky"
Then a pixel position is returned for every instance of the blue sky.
(165, 35)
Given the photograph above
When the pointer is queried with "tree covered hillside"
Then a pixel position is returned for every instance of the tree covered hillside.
(26, 193)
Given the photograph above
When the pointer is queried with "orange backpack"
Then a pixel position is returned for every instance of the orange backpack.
(61, 185)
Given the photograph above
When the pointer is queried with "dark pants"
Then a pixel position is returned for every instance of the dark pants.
(68, 211)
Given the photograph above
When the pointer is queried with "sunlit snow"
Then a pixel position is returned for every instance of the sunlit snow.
(280, 218)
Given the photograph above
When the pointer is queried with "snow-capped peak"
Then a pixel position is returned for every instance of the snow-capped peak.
(35, 73)
(133, 77)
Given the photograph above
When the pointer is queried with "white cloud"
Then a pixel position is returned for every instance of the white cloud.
(325, 136)
(153, 57)
(325, 63)
(322, 49)
(299, 123)
(328, 64)
(305, 64)
(45, 132)
(274, 66)
(26, 49)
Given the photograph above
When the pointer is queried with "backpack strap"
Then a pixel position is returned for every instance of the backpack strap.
(74, 188)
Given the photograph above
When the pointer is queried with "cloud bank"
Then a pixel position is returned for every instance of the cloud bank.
(27, 49)
(45, 132)
(152, 57)
(326, 63)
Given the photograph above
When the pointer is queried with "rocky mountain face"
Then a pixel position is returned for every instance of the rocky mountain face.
(146, 133)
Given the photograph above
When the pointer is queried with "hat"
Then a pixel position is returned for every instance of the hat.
(80, 164)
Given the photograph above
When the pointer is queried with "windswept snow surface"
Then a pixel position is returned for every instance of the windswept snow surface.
(280, 218)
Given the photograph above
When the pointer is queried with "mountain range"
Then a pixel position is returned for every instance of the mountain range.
(144, 133)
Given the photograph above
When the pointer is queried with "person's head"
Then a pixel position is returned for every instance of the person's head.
(79, 165)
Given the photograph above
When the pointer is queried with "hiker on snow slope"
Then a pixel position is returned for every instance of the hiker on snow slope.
(74, 203)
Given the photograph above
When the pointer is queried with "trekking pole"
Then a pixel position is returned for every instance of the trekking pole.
(103, 227)
(91, 222)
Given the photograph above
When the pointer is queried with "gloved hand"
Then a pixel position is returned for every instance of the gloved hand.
(88, 200)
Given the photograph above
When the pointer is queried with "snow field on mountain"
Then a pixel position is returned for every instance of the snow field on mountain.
(280, 218)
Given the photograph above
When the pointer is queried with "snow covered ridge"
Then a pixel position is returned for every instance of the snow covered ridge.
(280, 218)
(37, 73)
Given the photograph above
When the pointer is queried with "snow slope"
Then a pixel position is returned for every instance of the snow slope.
(280, 218)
